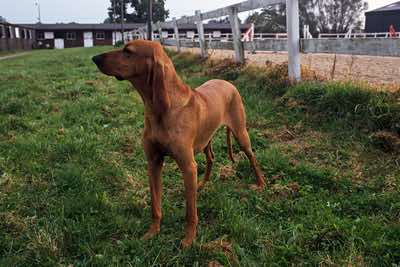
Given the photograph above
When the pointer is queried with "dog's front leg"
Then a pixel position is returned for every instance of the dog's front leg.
(154, 167)
(188, 166)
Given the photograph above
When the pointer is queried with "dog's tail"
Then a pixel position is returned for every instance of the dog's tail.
(229, 143)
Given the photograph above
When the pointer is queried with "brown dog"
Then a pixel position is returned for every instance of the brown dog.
(179, 122)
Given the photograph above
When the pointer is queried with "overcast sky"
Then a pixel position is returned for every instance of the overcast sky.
(94, 11)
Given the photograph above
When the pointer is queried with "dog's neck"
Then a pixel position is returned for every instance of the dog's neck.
(179, 93)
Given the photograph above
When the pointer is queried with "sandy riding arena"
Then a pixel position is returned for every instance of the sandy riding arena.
(375, 70)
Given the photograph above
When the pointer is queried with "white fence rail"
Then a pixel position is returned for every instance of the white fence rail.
(259, 36)
(357, 35)
(232, 11)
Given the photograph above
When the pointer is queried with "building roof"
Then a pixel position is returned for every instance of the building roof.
(392, 7)
(5, 23)
(79, 26)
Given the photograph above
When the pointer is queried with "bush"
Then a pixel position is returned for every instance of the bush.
(119, 44)
(361, 106)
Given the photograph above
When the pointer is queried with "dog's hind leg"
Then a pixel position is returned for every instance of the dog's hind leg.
(210, 158)
(237, 123)
(229, 144)
(244, 141)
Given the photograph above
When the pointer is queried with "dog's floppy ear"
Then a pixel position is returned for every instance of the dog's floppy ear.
(161, 101)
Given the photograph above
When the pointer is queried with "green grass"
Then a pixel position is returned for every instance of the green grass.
(73, 184)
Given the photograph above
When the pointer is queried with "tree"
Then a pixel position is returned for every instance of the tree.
(339, 16)
(139, 11)
(327, 16)
(3, 19)
(271, 19)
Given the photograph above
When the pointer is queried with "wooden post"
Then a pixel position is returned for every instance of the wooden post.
(293, 30)
(122, 20)
(176, 31)
(237, 35)
(200, 30)
(150, 20)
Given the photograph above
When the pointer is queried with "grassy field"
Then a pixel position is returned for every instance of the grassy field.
(74, 190)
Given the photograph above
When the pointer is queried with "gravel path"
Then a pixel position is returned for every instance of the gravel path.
(14, 55)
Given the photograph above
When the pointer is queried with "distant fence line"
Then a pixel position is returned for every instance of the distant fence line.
(371, 47)
(218, 36)
(356, 44)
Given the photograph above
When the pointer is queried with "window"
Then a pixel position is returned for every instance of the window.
(71, 35)
(216, 34)
(100, 35)
(164, 34)
(23, 35)
(190, 34)
(40, 35)
(48, 35)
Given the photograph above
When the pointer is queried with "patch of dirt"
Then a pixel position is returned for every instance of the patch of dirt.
(226, 171)
(221, 246)
(214, 264)
(390, 184)
(127, 148)
(388, 141)
(280, 191)
(136, 190)
(12, 222)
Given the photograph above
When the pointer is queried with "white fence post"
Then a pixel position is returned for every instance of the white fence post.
(237, 35)
(159, 28)
(176, 31)
(293, 29)
(200, 31)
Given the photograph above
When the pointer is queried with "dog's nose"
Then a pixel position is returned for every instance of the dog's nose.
(98, 60)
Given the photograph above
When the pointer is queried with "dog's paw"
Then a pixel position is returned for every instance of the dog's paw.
(152, 232)
(200, 184)
(186, 243)
(257, 187)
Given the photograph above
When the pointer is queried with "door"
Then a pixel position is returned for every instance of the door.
(88, 39)
(59, 43)
(117, 36)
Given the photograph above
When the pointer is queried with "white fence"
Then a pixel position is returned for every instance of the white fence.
(232, 11)
(213, 37)
(357, 35)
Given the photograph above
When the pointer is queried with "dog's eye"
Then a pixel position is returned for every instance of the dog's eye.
(127, 52)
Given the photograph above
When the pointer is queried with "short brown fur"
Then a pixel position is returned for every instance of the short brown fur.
(179, 122)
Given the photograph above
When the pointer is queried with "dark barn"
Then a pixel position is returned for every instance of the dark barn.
(16, 37)
(379, 20)
(66, 35)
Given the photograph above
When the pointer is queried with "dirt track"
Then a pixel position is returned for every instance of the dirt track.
(375, 70)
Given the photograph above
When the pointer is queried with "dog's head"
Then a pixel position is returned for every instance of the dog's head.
(137, 58)
(143, 61)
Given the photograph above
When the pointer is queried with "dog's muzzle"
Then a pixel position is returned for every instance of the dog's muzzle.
(98, 60)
